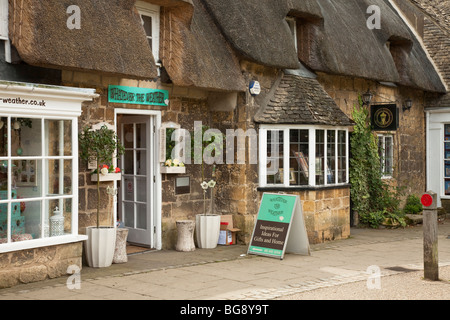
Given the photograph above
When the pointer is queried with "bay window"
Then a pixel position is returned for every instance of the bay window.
(36, 178)
(39, 165)
(295, 156)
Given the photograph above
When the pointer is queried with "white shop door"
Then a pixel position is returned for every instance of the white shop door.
(137, 188)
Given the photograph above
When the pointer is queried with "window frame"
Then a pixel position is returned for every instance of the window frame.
(292, 23)
(19, 100)
(43, 196)
(311, 158)
(384, 174)
(154, 12)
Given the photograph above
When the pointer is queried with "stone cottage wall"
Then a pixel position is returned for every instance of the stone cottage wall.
(409, 139)
(38, 264)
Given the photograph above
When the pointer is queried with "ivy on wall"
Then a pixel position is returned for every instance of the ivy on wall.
(373, 199)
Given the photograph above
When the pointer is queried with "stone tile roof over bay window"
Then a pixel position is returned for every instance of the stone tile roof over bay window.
(300, 100)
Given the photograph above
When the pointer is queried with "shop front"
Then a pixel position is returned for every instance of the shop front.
(39, 178)
(438, 153)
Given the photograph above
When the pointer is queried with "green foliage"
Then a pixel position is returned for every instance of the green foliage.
(412, 205)
(99, 145)
(372, 198)
(170, 145)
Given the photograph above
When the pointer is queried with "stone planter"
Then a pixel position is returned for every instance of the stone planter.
(185, 242)
(207, 229)
(100, 246)
(120, 252)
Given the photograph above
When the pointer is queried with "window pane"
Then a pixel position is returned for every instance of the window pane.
(128, 167)
(147, 23)
(331, 157)
(27, 178)
(299, 157)
(25, 221)
(59, 177)
(3, 177)
(128, 213)
(58, 217)
(58, 137)
(128, 136)
(275, 157)
(141, 135)
(389, 155)
(320, 157)
(141, 216)
(342, 157)
(26, 137)
(3, 136)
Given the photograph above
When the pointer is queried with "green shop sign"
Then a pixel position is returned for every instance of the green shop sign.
(132, 95)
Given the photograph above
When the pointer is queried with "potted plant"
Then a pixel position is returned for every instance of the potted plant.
(100, 145)
(207, 225)
(173, 167)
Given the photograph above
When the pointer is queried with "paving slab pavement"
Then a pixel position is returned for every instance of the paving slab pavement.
(228, 273)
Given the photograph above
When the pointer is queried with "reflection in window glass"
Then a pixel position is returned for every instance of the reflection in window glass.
(275, 173)
(3, 136)
(3, 178)
(299, 157)
(58, 137)
(26, 139)
(331, 156)
(27, 178)
(342, 157)
(59, 176)
(320, 157)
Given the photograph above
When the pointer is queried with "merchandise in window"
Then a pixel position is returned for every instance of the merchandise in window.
(312, 156)
(36, 178)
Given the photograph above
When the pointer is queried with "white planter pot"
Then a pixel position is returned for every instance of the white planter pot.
(173, 170)
(100, 246)
(207, 228)
(106, 177)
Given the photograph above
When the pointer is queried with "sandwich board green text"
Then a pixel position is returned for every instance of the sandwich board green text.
(280, 227)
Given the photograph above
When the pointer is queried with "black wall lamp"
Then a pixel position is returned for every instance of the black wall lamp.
(367, 98)
(407, 105)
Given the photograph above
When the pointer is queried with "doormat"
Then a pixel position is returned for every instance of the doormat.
(134, 249)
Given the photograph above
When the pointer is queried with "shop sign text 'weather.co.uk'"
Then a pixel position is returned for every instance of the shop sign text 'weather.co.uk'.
(132, 95)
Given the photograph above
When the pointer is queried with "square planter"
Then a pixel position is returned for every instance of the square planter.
(173, 170)
(106, 177)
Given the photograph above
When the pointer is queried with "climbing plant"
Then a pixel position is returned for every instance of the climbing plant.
(372, 198)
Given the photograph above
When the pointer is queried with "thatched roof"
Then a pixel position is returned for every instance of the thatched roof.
(335, 38)
(111, 39)
(295, 99)
(436, 38)
(202, 41)
(195, 53)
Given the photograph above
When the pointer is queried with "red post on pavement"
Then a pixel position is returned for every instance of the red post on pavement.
(430, 236)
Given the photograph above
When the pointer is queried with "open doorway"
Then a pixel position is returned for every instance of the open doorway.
(138, 204)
